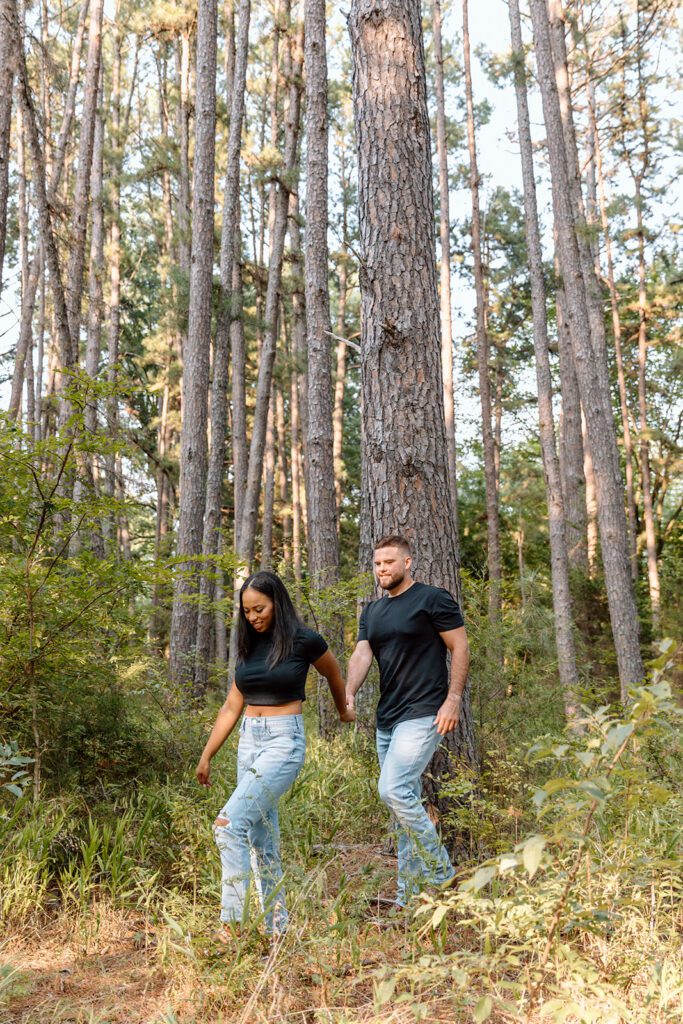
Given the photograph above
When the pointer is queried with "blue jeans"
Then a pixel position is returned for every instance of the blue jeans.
(269, 757)
(404, 752)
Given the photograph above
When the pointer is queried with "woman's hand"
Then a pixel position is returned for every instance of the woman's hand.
(349, 715)
(203, 772)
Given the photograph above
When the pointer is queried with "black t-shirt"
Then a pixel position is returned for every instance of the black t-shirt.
(403, 633)
(285, 681)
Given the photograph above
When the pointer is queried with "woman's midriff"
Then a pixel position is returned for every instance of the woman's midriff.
(264, 710)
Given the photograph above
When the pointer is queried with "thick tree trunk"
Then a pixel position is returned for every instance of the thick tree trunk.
(405, 462)
(492, 519)
(193, 456)
(594, 398)
(559, 560)
(445, 257)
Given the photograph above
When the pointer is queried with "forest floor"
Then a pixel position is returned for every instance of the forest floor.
(113, 966)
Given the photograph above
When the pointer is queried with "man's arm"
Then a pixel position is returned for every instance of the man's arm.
(448, 715)
(359, 666)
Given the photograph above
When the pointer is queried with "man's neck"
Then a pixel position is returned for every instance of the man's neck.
(406, 584)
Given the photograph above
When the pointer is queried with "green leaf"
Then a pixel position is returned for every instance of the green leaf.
(616, 736)
(482, 1011)
(385, 990)
(532, 853)
(507, 862)
(438, 916)
(555, 785)
(482, 877)
(15, 790)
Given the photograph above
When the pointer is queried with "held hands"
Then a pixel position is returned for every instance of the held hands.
(448, 715)
(203, 772)
(349, 715)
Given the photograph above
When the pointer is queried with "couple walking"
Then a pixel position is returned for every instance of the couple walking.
(408, 631)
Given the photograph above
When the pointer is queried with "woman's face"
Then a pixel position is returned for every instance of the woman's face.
(258, 609)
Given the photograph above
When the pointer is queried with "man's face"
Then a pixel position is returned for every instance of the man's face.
(391, 566)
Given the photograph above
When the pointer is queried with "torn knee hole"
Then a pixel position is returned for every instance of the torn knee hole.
(221, 822)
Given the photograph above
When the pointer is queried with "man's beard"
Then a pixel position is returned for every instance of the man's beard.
(394, 582)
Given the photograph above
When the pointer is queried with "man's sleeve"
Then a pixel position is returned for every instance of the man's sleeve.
(445, 611)
(363, 626)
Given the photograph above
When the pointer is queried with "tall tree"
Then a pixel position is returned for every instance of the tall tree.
(193, 456)
(445, 255)
(559, 559)
(594, 399)
(81, 200)
(490, 473)
(323, 551)
(221, 352)
(405, 463)
(6, 93)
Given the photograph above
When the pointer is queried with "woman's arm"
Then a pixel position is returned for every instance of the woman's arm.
(328, 666)
(223, 726)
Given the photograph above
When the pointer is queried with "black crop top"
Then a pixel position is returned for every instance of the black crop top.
(286, 681)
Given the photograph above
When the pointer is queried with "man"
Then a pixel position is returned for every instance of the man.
(409, 631)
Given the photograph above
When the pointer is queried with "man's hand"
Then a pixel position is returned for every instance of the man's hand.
(448, 715)
(203, 772)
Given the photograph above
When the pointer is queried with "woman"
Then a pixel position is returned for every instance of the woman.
(274, 651)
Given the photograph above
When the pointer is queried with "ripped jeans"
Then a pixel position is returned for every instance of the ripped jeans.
(270, 755)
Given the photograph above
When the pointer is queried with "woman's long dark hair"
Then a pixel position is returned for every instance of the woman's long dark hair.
(286, 622)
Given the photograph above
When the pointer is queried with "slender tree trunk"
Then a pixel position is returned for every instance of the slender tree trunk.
(339, 387)
(39, 259)
(6, 93)
(268, 490)
(282, 477)
(594, 398)
(10, 16)
(571, 446)
(81, 200)
(193, 456)
(114, 298)
(405, 461)
(184, 152)
(559, 559)
(323, 550)
(221, 356)
(492, 521)
(295, 462)
(445, 257)
(650, 539)
(616, 331)
(247, 532)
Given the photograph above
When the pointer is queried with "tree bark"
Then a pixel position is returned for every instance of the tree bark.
(492, 519)
(323, 549)
(445, 257)
(81, 201)
(221, 356)
(247, 533)
(559, 559)
(6, 94)
(616, 331)
(405, 463)
(594, 399)
(193, 456)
